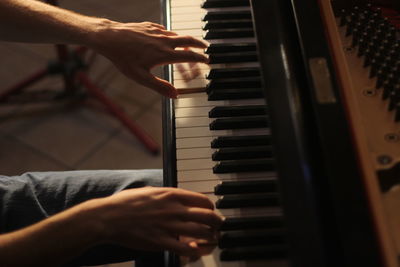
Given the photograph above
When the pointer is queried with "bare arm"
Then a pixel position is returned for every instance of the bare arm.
(135, 48)
(142, 219)
(51, 242)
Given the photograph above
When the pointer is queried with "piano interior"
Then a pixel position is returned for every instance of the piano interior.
(292, 129)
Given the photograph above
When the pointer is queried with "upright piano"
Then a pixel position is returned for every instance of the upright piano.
(292, 129)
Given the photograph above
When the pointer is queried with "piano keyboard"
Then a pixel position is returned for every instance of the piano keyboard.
(222, 134)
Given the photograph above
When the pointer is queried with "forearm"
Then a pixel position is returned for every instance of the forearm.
(34, 21)
(52, 241)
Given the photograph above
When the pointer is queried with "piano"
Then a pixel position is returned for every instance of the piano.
(291, 129)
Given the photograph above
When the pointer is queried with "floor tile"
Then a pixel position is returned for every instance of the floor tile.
(70, 135)
(124, 152)
(17, 158)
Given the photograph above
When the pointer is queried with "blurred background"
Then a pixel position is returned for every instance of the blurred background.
(59, 135)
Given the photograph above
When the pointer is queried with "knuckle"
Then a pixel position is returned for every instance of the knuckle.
(170, 195)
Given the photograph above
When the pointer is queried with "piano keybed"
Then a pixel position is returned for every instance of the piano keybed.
(223, 146)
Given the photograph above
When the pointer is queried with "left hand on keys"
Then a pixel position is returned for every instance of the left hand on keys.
(135, 48)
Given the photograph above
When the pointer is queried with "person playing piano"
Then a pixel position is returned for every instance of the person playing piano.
(93, 217)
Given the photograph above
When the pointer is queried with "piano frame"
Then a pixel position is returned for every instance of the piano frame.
(325, 207)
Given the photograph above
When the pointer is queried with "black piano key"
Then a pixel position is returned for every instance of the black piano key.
(228, 33)
(233, 153)
(244, 187)
(231, 48)
(243, 223)
(224, 3)
(225, 58)
(246, 201)
(253, 165)
(255, 253)
(237, 111)
(239, 239)
(241, 24)
(241, 141)
(253, 82)
(239, 123)
(233, 73)
(228, 15)
(232, 94)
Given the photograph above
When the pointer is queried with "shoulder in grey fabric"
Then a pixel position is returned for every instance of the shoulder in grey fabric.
(34, 196)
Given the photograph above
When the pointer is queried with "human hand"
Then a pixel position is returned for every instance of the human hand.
(135, 48)
(153, 218)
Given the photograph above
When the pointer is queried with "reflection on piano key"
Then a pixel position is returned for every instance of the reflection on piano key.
(252, 238)
(248, 200)
(242, 153)
(245, 187)
(239, 141)
(200, 100)
(232, 111)
(240, 223)
(205, 131)
(232, 94)
(207, 174)
(208, 186)
(239, 123)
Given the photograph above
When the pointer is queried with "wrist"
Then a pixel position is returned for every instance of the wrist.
(89, 217)
(99, 30)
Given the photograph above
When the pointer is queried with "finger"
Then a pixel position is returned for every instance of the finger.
(168, 33)
(157, 25)
(161, 32)
(203, 216)
(187, 56)
(180, 248)
(161, 86)
(192, 229)
(188, 41)
(191, 199)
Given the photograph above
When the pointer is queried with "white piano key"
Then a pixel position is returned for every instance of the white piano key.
(192, 112)
(212, 260)
(193, 142)
(179, 25)
(194, 164)
(207, 175)
(191, 32)
(192, 122)
(208, 186)
(190, 73)
(205, 131)
(199, 186)
(194, 153)
(205, 68)
(246, 212)
(181, 3)
(195, 83)
(188, 17)
(201, 100)
(179, 10)
(198, 111)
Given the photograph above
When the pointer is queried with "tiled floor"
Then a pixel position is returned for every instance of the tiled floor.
(57, 135)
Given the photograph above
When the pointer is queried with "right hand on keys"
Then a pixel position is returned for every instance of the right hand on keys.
(153, 218)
